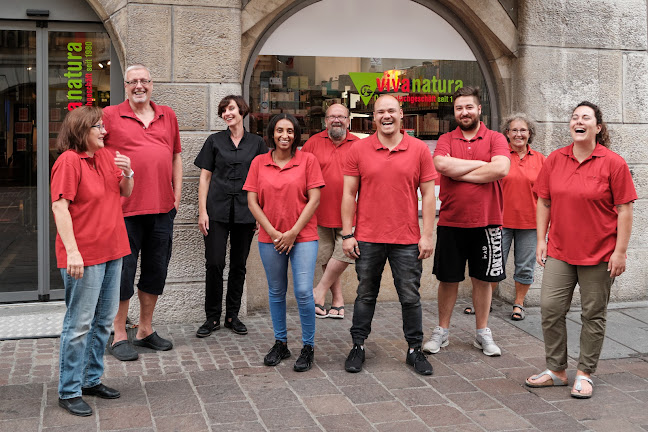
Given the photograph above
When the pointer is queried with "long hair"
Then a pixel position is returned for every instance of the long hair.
(76, 128)
(603, 137)
(271, 128)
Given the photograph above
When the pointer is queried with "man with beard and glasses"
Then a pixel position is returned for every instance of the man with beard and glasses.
(471, 160)
(384, 171)
(330, 147)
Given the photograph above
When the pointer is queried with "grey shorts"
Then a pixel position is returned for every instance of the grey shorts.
(330, 246)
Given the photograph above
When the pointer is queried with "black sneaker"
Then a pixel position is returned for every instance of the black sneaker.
(305, 360)
(207, 328)
(277, 353)
(236, 326)
(355, 359)
(417, 359)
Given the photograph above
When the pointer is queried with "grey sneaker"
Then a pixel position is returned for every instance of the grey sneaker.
(438, 339)
(484, 342)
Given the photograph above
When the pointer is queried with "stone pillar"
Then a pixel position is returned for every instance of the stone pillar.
(567, 56)
(193, 49)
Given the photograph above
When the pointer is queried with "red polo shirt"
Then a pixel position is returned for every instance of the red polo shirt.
(150, 150)
(283, 192)
(583, 197)
(519, 200)
(387, 208)
(464, 204)
(331, 159)
(92, 186)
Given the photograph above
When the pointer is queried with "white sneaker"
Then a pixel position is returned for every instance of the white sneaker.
(438, 339)
(484, 342)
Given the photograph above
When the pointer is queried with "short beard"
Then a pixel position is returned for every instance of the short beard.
(337, 133)
(470, 126)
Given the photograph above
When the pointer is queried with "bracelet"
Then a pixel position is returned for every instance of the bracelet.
(346, 237)
(131, 174)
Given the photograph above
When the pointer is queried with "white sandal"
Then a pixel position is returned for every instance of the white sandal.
(555, 381)
(578, 387)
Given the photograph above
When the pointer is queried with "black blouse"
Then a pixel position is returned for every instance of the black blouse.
(229, 165)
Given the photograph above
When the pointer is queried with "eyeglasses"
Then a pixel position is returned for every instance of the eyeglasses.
(99, 126)
(139, 81)
(519, 131)
(336, 117)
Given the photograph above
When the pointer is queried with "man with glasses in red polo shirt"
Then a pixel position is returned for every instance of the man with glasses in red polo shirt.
(149, 134)
(330, 147)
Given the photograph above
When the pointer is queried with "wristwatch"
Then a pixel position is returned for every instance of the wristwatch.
(348, 236)
(131, 175)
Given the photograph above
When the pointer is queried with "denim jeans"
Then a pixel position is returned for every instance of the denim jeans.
(302, 259)
(406, 269)
(92, 303)
(525, 247)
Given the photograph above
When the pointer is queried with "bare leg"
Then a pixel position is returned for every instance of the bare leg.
(447, 299)
(120, 321)
(521, 291)
(331, 280)
(147, 305)
(482, 296)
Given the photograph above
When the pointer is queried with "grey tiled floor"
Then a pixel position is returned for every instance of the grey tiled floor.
(220, 384)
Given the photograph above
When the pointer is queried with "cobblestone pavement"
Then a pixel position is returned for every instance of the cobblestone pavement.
(220, 384)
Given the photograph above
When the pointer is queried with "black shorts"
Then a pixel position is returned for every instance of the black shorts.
(152, 236)
(481, 247)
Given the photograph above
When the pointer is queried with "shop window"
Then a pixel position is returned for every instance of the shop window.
(306, 86)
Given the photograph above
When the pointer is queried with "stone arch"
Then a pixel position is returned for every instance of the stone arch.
(485, 24)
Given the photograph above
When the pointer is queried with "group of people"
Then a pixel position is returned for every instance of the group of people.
(338, 200)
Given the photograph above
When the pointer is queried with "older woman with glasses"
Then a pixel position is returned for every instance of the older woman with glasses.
(91, 240)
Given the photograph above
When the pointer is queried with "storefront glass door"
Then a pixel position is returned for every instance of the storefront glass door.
(44, 72)
(18, 163)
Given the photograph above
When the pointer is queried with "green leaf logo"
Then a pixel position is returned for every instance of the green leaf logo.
(365, 83)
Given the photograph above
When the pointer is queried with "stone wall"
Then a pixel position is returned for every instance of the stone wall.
(198, 49)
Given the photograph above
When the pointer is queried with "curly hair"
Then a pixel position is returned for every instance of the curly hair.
(506, 123)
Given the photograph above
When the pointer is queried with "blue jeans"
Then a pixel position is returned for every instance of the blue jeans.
(92, 304)
(406, 270)
(525, 248)
(302, 259)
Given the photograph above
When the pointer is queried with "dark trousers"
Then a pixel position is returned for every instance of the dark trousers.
(215, 251)
(151, 234)
(406, 269)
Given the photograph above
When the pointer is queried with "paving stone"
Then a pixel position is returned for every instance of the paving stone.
(366, 393)
(182, 423)
(451, 384)
(280, 419)
(28, 424)
(474, 401)
(168, 406)
(125, 417)
(242, 427)
(329, 405)
(419, 396)
(478, 370)
(558, 422)
(230, 412)
(314, 387)
(399, 379)
(220, 393)
(526, 403)
(499, 419)
(409, 426)
(440, 415)
(500, 386)
(19, 408)
(382, 412)
(344, 422)
(273, 398)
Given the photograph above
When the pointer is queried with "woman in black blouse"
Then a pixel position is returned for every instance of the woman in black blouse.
(223, 211)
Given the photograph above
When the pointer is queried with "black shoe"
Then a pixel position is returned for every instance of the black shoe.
(154, 341)
(76, 406)
(236, 326)
(123, 350)
(207, 328)
(417, 359)
(101, 391)
(355, 359)
(277, 353)
(305, 360)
